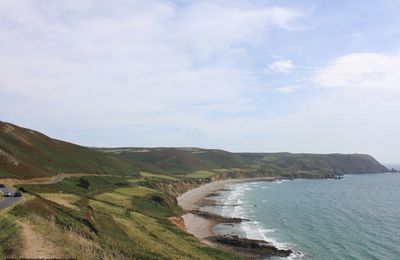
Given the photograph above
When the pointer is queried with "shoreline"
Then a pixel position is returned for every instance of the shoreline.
(201, 225)
(191, 198)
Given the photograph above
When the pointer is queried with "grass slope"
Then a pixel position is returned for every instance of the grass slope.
(316, 164)
(113, 219)
(178, 160)
(25, 153)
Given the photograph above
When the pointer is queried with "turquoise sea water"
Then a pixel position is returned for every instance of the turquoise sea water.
(357, 217)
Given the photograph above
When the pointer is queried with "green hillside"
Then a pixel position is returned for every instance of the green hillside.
(187, 160)
(25, 153)
(316, 164)
(179, 160)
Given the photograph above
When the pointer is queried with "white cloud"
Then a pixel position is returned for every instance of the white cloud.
(132, 58)
(287, 89)
(362, 70)
(282, 66)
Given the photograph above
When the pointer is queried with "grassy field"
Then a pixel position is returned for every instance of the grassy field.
(201, 174)
(137, 191)
(160, 176)
(98, 184)
(113, 219)
(66, 200)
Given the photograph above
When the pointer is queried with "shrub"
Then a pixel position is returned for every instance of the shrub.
(82, 182)
(22, 189)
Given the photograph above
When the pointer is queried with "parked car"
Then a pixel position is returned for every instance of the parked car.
(8, 194)
(17, 194)
(2, 185)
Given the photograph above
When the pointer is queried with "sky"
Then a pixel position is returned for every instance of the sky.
(244, 76)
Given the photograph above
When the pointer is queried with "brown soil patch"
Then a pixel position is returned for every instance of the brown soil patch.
(178, 221)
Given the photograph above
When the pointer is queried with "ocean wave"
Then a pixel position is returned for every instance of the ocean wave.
(236, 206)
(280, 181)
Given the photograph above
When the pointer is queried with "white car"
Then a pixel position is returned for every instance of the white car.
(8, 194)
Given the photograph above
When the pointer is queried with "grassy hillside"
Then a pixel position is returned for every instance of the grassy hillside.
(316, 164)
(190, 160)
(113, 218)
(25, 153)
(179, 160)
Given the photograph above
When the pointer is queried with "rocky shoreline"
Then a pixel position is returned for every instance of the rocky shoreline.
(248, 248)
(254, 247)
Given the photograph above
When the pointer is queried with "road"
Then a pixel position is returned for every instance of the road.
(7, 201)
(48, 180)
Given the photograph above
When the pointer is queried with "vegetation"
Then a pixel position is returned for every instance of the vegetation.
(201, 174)
(125, 213)
(82, 182)
(10, 244)
(128, 222)
(153, 175)
(26, 153)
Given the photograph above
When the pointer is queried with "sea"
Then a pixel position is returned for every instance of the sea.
(357, 217)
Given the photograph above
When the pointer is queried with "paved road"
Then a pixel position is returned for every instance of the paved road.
(7, 201)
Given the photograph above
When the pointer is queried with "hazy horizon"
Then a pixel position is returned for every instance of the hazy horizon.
(242, 76)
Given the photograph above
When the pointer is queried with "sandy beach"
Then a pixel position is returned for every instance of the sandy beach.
(198, 226)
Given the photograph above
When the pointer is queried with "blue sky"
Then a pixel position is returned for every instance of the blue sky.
(262, 76)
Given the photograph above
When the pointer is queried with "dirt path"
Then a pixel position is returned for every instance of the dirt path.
(35, 246)
(48, 180)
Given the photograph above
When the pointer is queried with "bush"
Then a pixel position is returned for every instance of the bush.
(157, 198)
(22, 189)
(83, 183)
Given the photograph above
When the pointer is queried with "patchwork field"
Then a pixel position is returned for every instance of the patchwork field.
(201, 174)
(111, 218)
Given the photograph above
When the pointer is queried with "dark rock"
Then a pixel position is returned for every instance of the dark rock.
(217, 218)
(253, 246)
(213, 194)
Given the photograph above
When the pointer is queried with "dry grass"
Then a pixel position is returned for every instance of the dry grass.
(137, 191)
(156, 238)
(201, 174)
(135, 180)
(115, 199)
(161, 176)
(67, 200)
(107, 208)
(72, 244)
